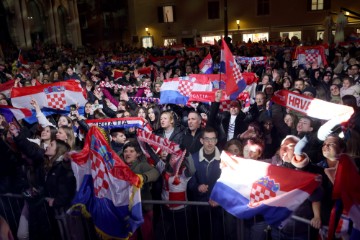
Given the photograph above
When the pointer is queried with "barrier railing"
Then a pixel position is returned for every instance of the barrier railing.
(185, 223)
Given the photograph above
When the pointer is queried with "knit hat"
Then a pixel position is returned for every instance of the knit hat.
(311, 90)
(235, 103)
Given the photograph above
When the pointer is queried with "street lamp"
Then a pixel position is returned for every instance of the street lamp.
(147, 31)
(238, 24)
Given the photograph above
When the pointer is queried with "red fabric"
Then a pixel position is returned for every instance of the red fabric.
(346, 188)
(231, 85)
(119, 170)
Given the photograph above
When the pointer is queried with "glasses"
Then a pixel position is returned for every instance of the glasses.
(333, 89)
(210, 140)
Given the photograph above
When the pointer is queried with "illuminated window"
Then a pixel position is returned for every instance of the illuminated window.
(319, 35)
(166, 14)
(255, 37)
(169, 41)
(314, 5)
(284, 35)
(147, 42)
(211, 39)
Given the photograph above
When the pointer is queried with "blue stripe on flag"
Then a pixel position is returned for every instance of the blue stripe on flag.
(112, 220)
(236, 204)
(171, 96)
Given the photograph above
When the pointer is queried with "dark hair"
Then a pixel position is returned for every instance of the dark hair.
(115, 132)
(208, 129)
(350, 79)
(235, 142)
(196, 112)
(341, 142)
(350, 100)
(134, 144)
(156, 124)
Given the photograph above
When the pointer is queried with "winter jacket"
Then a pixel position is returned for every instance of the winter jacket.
(176, 136)
(221, 121)
(207, 172)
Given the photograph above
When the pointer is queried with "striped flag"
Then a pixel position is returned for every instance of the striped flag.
(248, 187)
(107, 188)
(56, 96)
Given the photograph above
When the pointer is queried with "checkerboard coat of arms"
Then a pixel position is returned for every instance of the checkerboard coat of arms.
(261, 190)
(55, 97)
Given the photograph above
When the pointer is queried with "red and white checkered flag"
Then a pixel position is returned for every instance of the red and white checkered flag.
(99, 175)
(185, 87)
(56, 100)
(236, 70)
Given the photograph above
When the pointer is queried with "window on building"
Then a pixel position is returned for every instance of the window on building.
(169, 41)
(315, 5)
(255, 37)
(166, 14)
(263, 7)
(213, 10)
(319, 35)
(147, 42)
(211, 39)
(284, 35)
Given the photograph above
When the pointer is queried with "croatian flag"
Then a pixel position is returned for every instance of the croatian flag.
(165, 61)
(248, 187)
(12, 112)
(107, 188)
(56, 96)
(311, 54)
(180, 90)
(235, 83)
(206, 65)
(5, 88)
(347, 189)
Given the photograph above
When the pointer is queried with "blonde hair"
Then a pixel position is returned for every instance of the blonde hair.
(70, 136)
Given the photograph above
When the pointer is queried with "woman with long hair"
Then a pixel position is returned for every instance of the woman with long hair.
(153, 113)
(50, 180)
(66, 134)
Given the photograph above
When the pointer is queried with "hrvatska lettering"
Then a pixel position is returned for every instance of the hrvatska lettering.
(298, 103)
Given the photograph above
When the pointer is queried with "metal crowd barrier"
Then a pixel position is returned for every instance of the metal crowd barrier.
(164, 221)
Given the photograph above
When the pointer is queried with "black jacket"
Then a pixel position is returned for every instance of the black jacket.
(221, 121)
(176, 136)
(61, 184)
(192, 143)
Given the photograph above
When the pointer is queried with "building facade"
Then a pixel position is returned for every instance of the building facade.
(146, 23)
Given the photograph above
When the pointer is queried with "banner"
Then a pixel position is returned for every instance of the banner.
(160, 144)
(127, 122)
(311, 107)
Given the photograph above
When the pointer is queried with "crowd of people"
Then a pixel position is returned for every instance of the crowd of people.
(35, 156)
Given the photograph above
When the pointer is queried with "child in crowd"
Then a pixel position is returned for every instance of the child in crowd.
(118, 139)
(350, 88)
